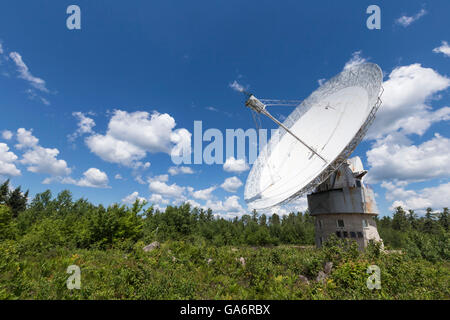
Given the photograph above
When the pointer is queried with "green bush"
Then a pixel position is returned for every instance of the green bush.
(203, 257)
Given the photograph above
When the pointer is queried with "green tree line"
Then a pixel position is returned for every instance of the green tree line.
(203, 256)
(49, 221)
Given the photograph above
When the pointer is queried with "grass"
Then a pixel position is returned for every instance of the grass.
(183, 270)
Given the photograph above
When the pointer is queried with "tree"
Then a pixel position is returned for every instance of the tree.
(7, 229)
(444, 219)
(412, 219)
(399, 221)
(254, 215)
(4, 191)
(17, 201)
(429, 224)
(263, 220)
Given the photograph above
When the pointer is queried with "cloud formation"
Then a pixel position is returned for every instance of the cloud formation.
(235, 165)
(180, 170)
(164, 189)
(236, 86)
(131, 135)
(396, 159)
(25, 73)
(131, 198)
(7, 160)
(229, 208)
(405, 101)
(85, 125)
(231, 184)
(405, 21)
(203, 194)
(444, 49)
(419, 200)
(7, 135)
(355, 60)
(39, 159)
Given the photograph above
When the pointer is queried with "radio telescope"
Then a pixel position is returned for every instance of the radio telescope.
(309, 154)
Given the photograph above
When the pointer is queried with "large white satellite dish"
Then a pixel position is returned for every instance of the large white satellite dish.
(316, 138)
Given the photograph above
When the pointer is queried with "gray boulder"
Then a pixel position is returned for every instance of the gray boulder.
(321, 277)
(303, 279)
(151, 246)
(327, 268)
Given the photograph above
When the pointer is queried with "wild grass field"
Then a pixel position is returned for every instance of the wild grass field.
(204, 257)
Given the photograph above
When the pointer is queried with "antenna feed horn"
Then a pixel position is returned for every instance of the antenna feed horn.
(254, 104)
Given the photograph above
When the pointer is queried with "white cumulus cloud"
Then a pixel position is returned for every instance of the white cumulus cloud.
(393, 159)
(131, 135)
(444, 49)
(231, 184)
(94, 178)
(7, 135)
(114, 150)
(164, 189)
(7, 159)
(85, 125)
(405, 98)
(228, 208)
(432, 197)
(203, 194)
(158, 199)
(180, 170)
(26, 139)
(235, 165)
(39, 159)
(131, 198)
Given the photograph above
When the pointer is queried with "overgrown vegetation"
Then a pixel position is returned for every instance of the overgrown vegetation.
(200, 255)
(424, 237)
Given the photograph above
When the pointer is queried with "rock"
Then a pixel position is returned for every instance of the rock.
(303, 279)
(328, 267)
(242, 260)
(151, 246)
(210, 260)
(321, 276)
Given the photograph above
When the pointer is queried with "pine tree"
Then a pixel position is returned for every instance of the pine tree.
(399, 221)
(17, 201)
(429, 221)
(412, 218)
(4, 191)
(444, 219)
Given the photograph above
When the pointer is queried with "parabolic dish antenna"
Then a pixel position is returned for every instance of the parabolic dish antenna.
(316, 138)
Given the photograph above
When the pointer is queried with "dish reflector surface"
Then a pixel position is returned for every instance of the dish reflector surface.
(332, 120)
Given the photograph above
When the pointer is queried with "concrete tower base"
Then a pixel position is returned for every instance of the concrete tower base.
(345, 207)
(359, 227)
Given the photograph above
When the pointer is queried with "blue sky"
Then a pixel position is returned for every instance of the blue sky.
(177, 58)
